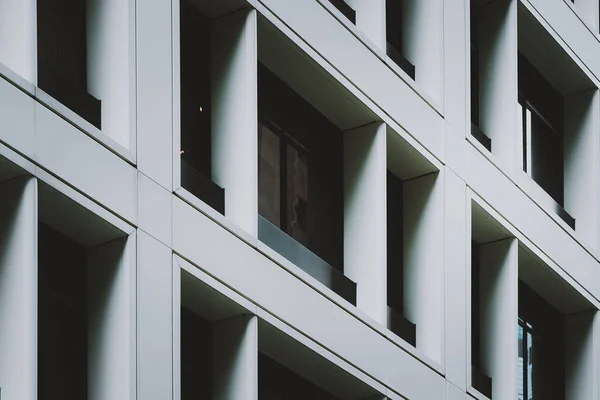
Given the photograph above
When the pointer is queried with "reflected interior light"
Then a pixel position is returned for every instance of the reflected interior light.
(181, 152)
(200, 108)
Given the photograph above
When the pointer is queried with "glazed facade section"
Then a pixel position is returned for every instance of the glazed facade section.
(253, 199)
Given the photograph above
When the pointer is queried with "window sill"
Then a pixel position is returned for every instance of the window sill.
(481, 137)
(202, 187)
(306, 260)
(402, 327)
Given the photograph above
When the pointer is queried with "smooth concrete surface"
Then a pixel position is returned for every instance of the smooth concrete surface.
(153, 246)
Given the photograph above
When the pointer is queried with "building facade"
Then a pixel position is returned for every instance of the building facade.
(299, 199)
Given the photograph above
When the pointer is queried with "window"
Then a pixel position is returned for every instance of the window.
(541, 358)
(394, 34)
(542, 120)
(62, 56)
(476, 131)
(300, 183)
(196, 357)
(479, 380)
(195, 59)
(397, 322)
(283, 181)
(345, 9)
(62, 317)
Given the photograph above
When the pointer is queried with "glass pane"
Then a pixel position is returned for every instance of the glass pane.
(529, 367)
(520, 364)
(269, 175)
(297, 195)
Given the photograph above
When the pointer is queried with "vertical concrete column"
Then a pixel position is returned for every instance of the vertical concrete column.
(365, 216)
(456, 228)
(154, 319)
(499, 315)
(424, 260)
(422, 33)
(111, 283)
(581, 355)
(370, 19)
(18, 37)
(18, 289)
(498, 90)
(235, 358)
(582, 163)
(456, 42)
(155, 79)
(110, 63)
(234, 116)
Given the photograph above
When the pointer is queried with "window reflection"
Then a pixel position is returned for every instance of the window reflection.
(269, 175)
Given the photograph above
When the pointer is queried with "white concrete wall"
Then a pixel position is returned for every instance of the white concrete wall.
(18, 289)
(581, 163)
(110, 66)
(18, 37)
(422, 37)
(111, 297)
(370, 19)
(365, 220)
(424, 261)
(499, 315)
(581, 355)
(234, 116)
(235, 358)
(498, 90)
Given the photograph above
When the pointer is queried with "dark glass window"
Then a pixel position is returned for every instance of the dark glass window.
(300, 160)
(300, 184)
(397, 322)
(62, 56)
(394, 35)
(479, 380)
(542, 124)
(345, 9)
(476, 131)
(283, 180)
(276, 382)
(62, 317)
(196, 356)
(541, 357)
(196, 107)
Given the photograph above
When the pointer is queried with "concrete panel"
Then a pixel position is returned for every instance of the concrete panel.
(498, 91)
(18, 289)
(234, 116)
(424, 261)
(154, 319)
(582, 164)
(286, 297)
(455, 286)
(357, 63)
(581, 362)
(455, 63)
(235, 359)
(502, 194)
(111, 305)
(18, 40)
(154, 209)
(79, 160)
(17, 122)
(110, 65)
(370, 19)
(499, 315)
(365, 217)
(154, 54)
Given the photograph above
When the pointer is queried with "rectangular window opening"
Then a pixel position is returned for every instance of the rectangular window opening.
(62, 47)
(394, 33)
(195, 90)
(345, 9)
(300, 180)
(396, 320)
